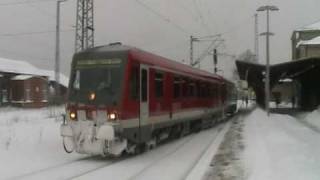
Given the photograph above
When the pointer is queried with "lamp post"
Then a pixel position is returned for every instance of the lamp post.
(57, 52)
(267, 75)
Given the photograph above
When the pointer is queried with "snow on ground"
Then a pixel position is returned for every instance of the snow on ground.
(313, 118)
(279, 147)
(31, 148)
(276, 147)
(30, 140)
(227, 164)
(172, 161)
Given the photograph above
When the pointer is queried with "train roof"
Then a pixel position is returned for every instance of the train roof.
(148, 58)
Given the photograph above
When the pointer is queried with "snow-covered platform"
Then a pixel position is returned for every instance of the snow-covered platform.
(277, 147)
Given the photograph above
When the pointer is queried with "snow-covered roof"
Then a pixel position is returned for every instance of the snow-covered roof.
(22, 67)
(19, 67)
(314, 41)
(311, 27)
(285, 80)
(22, 77)
(64, 80)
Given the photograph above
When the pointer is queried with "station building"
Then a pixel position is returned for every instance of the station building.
(295, 81)
(24, 85)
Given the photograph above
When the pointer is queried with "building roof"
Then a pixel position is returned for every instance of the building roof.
(25, 68)
(311, 27)
(254, 73)
(314, 41)
(23, 77)
(19, 67)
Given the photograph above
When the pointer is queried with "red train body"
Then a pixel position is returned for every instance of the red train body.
(122, 99)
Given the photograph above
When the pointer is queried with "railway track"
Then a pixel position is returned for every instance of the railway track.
(70, 169)
(175, 153)
(167, 157)
(179, 161)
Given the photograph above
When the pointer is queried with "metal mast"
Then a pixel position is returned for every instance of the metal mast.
(267, 34)
(84, 25)
(256, 38)
(57, 51)
(191, 49)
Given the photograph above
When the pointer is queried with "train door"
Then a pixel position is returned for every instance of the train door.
(144, 95)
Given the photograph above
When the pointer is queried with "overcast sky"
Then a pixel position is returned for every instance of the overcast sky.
(163, 28)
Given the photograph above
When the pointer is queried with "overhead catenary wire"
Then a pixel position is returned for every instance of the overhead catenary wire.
(26, 2)
(191, 13)
(23, 55)
(42, 11)
(236, 27)
(187, 10)
(164, 18)
(32, 33)
(201, 17)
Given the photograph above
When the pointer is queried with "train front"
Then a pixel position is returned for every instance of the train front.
(91, 125)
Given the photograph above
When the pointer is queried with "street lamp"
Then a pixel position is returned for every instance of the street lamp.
(267, 34)
(57, 53)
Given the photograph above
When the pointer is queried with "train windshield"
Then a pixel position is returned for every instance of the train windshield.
(102, 80)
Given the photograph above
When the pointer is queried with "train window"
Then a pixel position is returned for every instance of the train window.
(76, 82)
(144, 85)
(134, 84)
(207, 91)
(202, 90)
(159, 84)
(184, 88)
(198, 89)
(191, 89)
(177, 87)
(214, 91)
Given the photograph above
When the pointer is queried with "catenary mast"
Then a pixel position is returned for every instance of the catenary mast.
(84, 25)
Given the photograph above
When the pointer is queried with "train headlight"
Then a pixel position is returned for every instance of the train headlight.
(112, 116)
(73, 115)
(92, 96)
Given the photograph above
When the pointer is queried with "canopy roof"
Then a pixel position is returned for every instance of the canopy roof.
(305, 70)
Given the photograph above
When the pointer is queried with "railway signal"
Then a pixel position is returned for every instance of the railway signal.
(215, 60)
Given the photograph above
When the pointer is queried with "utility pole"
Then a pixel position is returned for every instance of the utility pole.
(84, 25)
(256, 38)
(57, 53)
(267, 75)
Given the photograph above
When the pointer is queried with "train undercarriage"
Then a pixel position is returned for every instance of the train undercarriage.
(112, 139)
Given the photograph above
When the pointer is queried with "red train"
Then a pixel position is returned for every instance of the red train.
(125, 99)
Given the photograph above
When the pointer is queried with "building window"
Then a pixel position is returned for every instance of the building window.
(45, 95)
(159, 84)
(27, 97)
(134, 84)
(37, 89)
(4, 95)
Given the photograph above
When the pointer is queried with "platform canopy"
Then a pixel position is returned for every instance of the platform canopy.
(305, 71)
